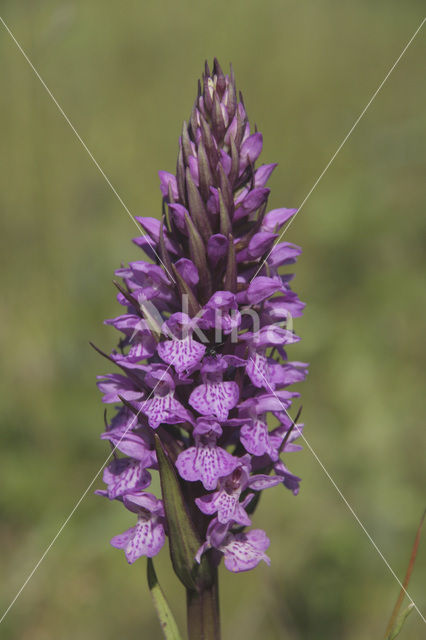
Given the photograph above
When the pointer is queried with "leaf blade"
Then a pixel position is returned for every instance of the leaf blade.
(184, 540)
(165, 615)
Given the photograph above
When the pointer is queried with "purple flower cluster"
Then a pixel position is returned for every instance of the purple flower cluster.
(202, 356)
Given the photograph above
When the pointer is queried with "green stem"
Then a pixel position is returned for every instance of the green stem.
(203, 613)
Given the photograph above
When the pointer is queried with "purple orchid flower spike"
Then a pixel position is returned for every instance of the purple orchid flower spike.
(202, 364)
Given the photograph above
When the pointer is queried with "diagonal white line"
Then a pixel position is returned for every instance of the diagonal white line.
(339, 148)
(77, 504)
(311, 449)
(86, 148)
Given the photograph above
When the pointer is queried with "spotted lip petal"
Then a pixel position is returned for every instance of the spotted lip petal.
(244, 551)
(147, 537)
(164, 409)
(225, 505)
(255, 437)
(205, 462)
(258, 370)
(182, 354)
(215, 398)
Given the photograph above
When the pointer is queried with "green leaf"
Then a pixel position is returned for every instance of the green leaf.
(165, 616)
(400, 622)
(184, 541)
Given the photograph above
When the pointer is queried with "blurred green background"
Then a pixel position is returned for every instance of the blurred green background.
(125, 74)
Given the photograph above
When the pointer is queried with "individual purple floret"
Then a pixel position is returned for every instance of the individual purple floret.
(242, 551)
(147, 537)
(226, 503)
(125, 475)
(202, 357)
(206, 462)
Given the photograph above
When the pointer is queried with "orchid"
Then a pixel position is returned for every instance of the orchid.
(203, 364)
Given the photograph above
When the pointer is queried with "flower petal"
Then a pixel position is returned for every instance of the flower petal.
(168, 179)
(215, 398)
(124, 475)
(244, 551)
(182, 354)
(217, 248)
(261, 288)
(262, 174)
(255, 438)
(250, 150)
(205, 463)
(276, 218)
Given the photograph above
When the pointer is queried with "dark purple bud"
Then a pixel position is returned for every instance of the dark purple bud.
(217, 119)
(250, 150)
(235, 161)
(217, 249)
(226, 189)
(186, 144)
(209, 143)
(194, 121)
(225, 219)
(198, 256)
(204, 172)
(230, 283)
(194, 306)
(197, 208)
(231, 104)
(180, 176)
(220, 78)
(207, 93)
